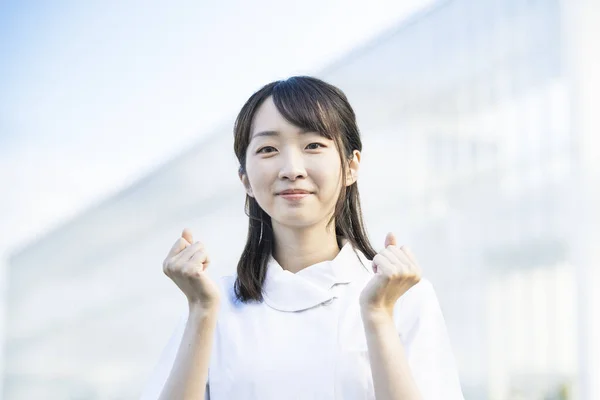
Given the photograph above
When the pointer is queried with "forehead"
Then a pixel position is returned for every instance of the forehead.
(268, 117)
(269, 122)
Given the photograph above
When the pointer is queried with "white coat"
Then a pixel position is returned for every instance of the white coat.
(306, 339)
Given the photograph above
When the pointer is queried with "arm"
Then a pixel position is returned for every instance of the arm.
(410, 352)
(182, 372)
(422, 330)
(189, 373)
(392, 377)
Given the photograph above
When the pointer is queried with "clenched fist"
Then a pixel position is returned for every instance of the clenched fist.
(186, 265)
(396, 271)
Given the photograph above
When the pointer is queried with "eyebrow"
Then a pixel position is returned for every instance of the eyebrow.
(276, 133)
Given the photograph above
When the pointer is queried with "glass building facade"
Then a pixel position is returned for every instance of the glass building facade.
(471, 135)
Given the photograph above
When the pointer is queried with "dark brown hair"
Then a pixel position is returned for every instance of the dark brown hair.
(315, 105)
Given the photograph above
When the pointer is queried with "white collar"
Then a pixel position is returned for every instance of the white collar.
(310, 287)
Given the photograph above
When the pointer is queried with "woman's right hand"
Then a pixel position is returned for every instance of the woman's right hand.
(186, 265)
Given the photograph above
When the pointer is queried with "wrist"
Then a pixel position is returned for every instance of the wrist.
(376, 316)
(203, 311)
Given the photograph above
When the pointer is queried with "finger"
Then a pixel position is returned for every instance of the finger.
(382, 265)
(399, 255)
(401, 265)
(391, 257)
(187, 235)
(199, 260)
(390, 239)
(177, 247)
(413, 267)
(186, 254)
(410, 255)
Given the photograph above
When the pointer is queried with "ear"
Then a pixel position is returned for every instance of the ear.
(246, 183)
(353, 167)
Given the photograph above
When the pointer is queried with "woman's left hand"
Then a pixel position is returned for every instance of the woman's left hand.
(396, 271)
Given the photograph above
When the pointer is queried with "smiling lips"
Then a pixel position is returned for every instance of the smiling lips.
(294, 191)
(294, 194)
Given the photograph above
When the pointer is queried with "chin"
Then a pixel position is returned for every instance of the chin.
(296, 220)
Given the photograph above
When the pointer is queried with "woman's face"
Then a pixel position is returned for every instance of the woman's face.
(294, 175)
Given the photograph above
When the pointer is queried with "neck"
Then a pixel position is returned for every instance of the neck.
(298, 248)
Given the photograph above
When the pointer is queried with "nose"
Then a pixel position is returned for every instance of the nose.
(292, 167)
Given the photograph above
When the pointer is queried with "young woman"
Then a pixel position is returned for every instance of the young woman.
(314, 312)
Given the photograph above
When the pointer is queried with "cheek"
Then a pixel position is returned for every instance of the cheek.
(330, 171)
(327, 178)
(258, 178)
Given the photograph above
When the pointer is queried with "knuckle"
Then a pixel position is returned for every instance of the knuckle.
(191, 273)
(199, 255)
(175, 267)
(386, 277)
(413, 277)
(167, 268)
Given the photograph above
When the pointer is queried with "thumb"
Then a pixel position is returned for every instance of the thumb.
(187, 235)
(390, 240)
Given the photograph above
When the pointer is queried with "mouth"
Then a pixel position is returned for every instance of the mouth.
(293, 191)
(294, 194)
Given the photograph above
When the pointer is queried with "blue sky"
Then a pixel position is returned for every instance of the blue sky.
(95, 94)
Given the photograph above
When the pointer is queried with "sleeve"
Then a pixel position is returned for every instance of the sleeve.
(160, 374)
(424, 334)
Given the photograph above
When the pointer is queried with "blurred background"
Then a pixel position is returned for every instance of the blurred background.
(480, 124)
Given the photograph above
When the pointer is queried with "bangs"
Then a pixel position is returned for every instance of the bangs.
(308, 106)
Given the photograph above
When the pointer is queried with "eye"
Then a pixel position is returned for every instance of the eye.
(312, 146)
(264, 150)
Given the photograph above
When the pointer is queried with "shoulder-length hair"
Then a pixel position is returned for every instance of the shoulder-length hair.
(315, 105)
